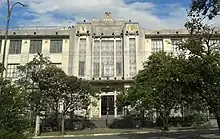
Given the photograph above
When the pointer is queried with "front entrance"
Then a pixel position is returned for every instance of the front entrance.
(107, 105)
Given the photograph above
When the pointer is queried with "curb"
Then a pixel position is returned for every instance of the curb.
(93, 135)
(111, 134)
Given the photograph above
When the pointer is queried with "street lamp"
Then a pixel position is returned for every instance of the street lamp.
(10, 8)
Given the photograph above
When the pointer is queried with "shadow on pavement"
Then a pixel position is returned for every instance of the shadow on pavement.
(201, 134)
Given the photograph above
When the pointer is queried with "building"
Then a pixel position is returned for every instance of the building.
(108, 52)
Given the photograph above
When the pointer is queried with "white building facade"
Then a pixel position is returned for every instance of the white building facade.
(108, 52)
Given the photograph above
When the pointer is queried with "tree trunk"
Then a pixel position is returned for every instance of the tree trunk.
(166, 122)
(218, 121)
(142, 118)
(56, 120)
(62, 124)
(37, 123)
(72, 118)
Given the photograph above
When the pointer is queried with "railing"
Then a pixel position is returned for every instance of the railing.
(42, 28)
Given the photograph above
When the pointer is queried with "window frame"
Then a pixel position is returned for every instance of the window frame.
(153, 48)
(10, 49)
(34, 49)
(11, 73)
(56, 50)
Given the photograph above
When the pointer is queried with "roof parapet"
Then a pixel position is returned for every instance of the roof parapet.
(42, 28)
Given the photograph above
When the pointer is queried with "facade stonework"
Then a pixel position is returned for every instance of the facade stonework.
(108, 52)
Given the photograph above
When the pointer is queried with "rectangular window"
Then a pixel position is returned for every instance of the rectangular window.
(95, 69)
(81, 68)
(56, 46)
(82, 56)
(12, 71)
(96, 58)
(119, 58)
(35, 46)
(175, 45)
(107, 58)
(15, 46)
(118, 68)
(132, 56)
(157, 45)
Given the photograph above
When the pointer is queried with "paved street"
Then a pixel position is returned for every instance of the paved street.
(202, 134)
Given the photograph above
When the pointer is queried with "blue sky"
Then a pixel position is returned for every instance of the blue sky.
(150, 14)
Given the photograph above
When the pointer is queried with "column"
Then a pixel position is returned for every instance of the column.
(126, 57)
(100, 59)
(25, 52)
(88, 65)
(114, 57)
(65, 55)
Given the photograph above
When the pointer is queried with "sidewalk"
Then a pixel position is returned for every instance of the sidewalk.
(111, 132)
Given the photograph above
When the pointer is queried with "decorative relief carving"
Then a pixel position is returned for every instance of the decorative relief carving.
(82, 29)
(131, 29)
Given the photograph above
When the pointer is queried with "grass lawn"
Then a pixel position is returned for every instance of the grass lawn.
(107, 130)
(99, 131)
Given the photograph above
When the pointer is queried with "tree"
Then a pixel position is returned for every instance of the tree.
(204, 54)
(52, 84)
(208, 8)
(78, 96)
(158, 86)
(29, 81)
(13, 116)
(51, 88)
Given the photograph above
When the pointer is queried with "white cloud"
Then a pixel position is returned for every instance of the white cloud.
(142, 12)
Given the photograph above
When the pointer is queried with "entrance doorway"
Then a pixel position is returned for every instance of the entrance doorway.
(107, 105)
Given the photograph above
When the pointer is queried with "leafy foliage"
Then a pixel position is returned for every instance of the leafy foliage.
(13, 116)
(209, 8)
(52, 91)
(159, 85)
(204, 55)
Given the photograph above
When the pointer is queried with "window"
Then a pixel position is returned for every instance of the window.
(96, 69)
(82, 56)
(157, 45)
(132, 56)
(15, 47)
(56, 46)
(35, 46)
(96, 58)
(175, 45)
(119, 69)
(107, 58)
(12, 71)
(81, 68)
(119, 58)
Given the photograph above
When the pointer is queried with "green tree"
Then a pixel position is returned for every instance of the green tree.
(207, 8)
(78, 96)
(204, 54)
(14, 115)
(52, 83)
(29, 81)
(158, 86)
(48, 87)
